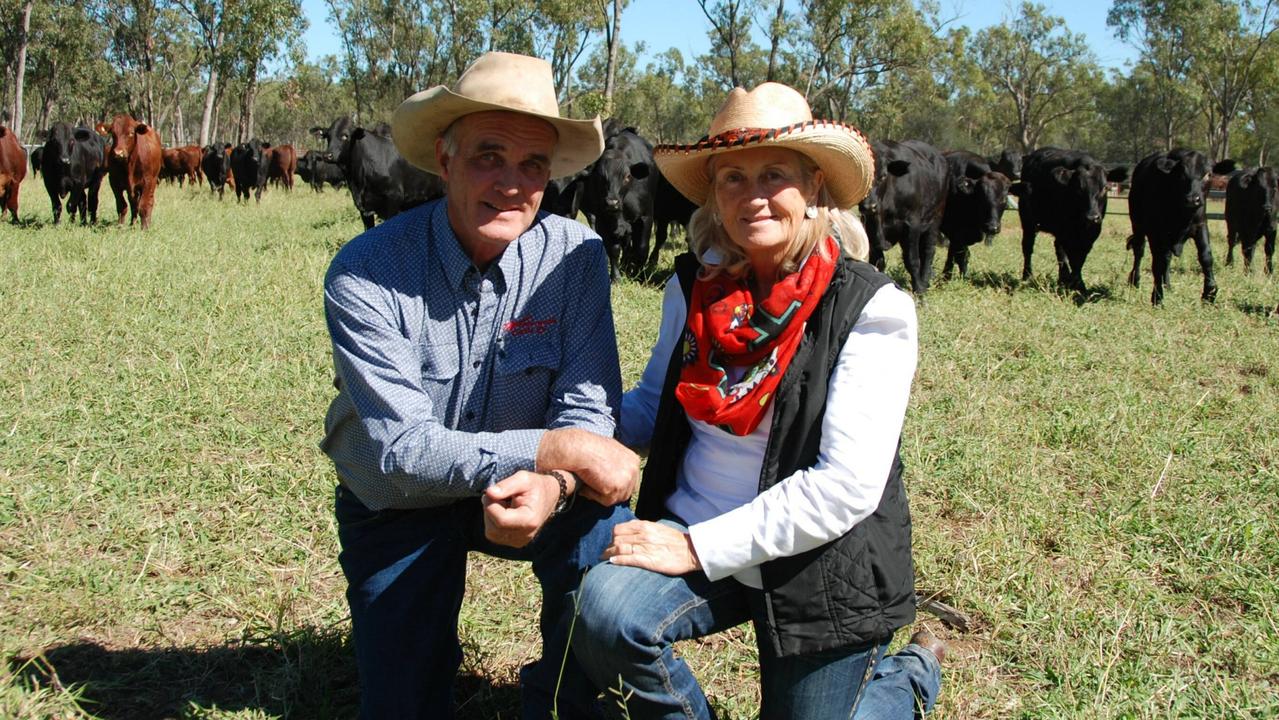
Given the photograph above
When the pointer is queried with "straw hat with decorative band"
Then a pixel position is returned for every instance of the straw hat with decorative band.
(773, 115)
(495, 81)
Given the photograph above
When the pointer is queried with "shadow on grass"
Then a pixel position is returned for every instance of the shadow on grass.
(309, 673)
(1005, 282)
(1261, 312)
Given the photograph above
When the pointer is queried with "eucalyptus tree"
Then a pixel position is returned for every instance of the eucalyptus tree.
(1221, 41)
(849, 47)
(739, 58)
(1043, 73)
(1166, 57)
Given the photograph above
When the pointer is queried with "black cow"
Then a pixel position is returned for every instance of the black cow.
(315, 169)
(383, 184)
(215, 163)
(905, 206)
(37, 153)
(563, 195)
(1166, 206)
(249, 166)
(618, 199)
(1250, 214)
(1062, 192)
(669, 207)
(1007, 164)
(73, 162)
(974, 206)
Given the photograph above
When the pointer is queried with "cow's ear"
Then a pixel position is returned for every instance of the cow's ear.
(1245, 179)
(3, 131)
(1165, 165)
(266, 146)
(898, 167)
(1061, 174)
(965, 185)
(1020, 189)
(1224, 167)
(639, 170)
(82, 134)
(1117, 174)
(357, 133)
(141, 129)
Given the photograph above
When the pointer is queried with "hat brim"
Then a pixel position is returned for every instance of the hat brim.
(422, 118)
(843, 154)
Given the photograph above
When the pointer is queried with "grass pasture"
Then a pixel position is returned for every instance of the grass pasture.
(1094, 482)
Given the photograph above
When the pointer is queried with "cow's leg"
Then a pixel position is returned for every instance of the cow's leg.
(1270, 251)
(910, 258)
(1232, 237)
(614, 261)
(1027, 250)
(1247, 248)
(121, 206)
(57, 207)
(876, 255)
(1204, 247)
(961, 257)
(952, 254)
(1137, 244)
(75, 204)
(660, 228)
(927, 250)
(12, 204)
(1160, 258)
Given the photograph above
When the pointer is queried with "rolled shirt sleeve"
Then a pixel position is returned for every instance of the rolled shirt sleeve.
(866, 407)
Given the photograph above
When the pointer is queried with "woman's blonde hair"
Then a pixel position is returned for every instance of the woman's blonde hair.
(706, 232)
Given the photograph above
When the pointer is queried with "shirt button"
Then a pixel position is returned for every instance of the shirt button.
(470, 415)
(475, 364)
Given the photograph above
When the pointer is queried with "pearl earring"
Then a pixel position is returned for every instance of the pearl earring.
(810, 212)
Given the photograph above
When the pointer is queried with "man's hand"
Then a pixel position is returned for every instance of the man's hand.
(608, 469)
(517, 507)
(652, 546)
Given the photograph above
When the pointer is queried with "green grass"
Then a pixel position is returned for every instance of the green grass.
(1093, 482)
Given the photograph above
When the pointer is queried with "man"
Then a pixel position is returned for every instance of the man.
(477, 373)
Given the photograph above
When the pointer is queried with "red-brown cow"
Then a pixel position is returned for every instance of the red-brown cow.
(281, 164)
(13, 167)
(133, 166)
(181, 164)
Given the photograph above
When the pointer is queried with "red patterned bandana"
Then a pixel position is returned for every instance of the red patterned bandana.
(727, 328)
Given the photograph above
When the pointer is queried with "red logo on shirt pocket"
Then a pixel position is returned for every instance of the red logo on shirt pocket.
(529, 326)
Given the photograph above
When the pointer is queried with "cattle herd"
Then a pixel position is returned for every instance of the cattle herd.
(922, 196)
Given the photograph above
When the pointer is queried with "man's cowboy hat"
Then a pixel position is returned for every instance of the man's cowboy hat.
(773, 115)
(495, 81)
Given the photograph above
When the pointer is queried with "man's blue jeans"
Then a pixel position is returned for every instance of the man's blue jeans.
(406, 571)
(629, 620)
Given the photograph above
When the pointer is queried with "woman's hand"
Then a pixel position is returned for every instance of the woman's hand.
(652, 546)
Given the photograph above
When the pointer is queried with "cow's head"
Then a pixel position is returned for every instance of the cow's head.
(611, 178)
(989, 193)
(1007, 164)
(886, 174)
(1258, 184)
(1084, 190)
(58, 143)
(1185, 172)
(337, 137)
(122, 136)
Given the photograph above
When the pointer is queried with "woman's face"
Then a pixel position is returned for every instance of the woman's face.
(761, 194)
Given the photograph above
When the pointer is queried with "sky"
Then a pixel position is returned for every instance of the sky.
(663, 24)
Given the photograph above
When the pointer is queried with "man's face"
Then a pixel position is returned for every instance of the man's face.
(495, 180)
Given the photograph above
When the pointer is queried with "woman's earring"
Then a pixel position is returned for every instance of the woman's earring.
(715, 218)
(810, 212)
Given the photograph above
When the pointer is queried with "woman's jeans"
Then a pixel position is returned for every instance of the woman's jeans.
(406, 571)
(629, 620)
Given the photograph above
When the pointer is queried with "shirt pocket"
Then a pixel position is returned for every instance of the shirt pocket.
(525, 370)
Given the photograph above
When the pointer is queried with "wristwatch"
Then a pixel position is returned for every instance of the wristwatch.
(566, 500)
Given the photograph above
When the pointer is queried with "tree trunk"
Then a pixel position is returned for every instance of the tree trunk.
(614, 42)
(246, 107)
(776, 38)
(210, 92)
(20, 73)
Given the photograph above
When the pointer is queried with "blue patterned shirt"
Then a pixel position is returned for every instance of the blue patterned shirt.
(448, 376)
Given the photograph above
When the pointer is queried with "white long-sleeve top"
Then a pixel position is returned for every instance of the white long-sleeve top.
(735, 528)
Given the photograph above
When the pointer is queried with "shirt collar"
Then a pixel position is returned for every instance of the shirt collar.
(455, 263)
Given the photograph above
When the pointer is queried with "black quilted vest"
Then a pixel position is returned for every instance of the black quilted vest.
(855, 590)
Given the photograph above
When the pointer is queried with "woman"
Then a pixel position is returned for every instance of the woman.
(772, 408)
